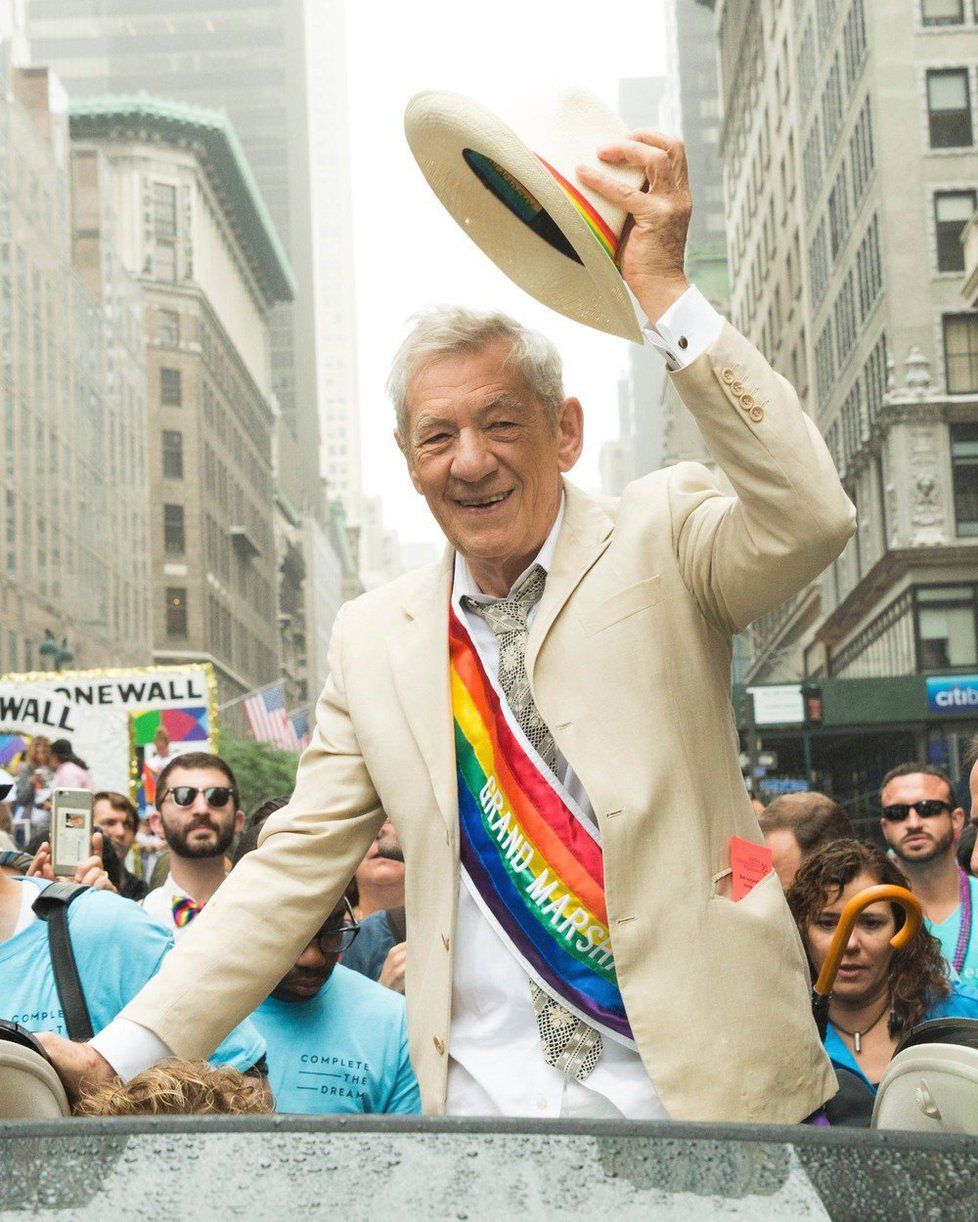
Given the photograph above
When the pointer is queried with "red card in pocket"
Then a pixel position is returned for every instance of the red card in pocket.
(749, 863)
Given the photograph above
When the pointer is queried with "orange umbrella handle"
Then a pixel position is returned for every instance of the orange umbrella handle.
(850, 914)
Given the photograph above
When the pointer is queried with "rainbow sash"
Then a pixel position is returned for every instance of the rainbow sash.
(529, 858)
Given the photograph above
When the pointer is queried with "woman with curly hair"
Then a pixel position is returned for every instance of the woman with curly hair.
(879, 993)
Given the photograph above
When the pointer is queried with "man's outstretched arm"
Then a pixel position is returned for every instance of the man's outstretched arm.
(266, 911)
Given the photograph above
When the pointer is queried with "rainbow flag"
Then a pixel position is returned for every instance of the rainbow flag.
(529, 858)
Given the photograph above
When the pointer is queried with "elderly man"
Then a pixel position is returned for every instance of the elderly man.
(545, 718)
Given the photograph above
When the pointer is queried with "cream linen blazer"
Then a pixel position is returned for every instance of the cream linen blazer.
(630, 656)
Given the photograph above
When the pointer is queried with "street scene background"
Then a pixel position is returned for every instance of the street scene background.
(212, 235)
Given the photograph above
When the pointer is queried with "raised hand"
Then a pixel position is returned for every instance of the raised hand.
(653, 251)
(90, 872)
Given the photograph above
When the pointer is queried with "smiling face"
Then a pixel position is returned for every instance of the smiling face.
(866, 962)
(482, 451)
(919, 838)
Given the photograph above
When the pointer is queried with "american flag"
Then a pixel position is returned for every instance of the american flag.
(300, 727)
(265, 711)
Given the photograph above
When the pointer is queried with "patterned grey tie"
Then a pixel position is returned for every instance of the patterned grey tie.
(570, 1045)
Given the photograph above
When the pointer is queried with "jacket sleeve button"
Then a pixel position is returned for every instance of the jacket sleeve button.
(727, 375)
(737, 388)
(747, 402)
(757, 414)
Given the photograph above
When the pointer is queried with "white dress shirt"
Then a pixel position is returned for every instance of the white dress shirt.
(496, 1065)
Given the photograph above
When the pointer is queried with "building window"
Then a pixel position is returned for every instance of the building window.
(818, 265)
(168, 327)
(812, 164)
(824, 365)
(945, 627)
(176, 611)
(164, 210)
(942, 12)
(838, 212)
(869, 268)
(172, 454)
(961, 352)
(171, 388)
(845, 320)
(861, 153)
(165, 262)
(854, 41)
(832, 106)
(949, 108)
(952, 211)
(964, 466)
(173, 534)
(874, 380)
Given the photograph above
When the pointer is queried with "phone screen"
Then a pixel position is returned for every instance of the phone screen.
(72, 835)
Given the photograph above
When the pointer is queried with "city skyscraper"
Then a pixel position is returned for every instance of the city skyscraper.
(73, 518)
(849, 146)
(276, 68)
(194, 234)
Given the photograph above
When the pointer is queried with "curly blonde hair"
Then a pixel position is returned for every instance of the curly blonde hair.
(179, 1088)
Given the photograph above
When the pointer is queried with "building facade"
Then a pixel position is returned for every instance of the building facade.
(851, 164)
(277, 68)
(196, 235)
(73, 518)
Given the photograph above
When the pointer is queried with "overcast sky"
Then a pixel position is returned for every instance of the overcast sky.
(409, 252)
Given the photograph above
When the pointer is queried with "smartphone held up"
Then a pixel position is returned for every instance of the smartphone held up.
(71, 829)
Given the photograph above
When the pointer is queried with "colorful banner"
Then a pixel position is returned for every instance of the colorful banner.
(93, 708)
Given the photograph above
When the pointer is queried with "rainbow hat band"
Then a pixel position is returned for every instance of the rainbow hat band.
(532, 213)
(518, 198)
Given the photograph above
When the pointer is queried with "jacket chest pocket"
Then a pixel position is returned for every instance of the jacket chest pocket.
(622, 605)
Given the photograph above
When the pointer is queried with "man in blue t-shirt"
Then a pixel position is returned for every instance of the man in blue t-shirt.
(337, 1042)
(117, 949)
(921, 823)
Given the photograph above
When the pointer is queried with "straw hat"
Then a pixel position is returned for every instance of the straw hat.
(30, 1088)
(519, 198)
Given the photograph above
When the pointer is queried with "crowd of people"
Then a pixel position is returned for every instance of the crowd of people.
(332, 1036)
(328, 1039)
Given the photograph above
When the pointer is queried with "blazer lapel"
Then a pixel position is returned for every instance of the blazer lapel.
(584, 535)
(418, 656)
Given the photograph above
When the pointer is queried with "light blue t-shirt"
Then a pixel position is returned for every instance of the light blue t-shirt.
(117, 949)
(947, 934)
(344, 1050)
(961, 1002)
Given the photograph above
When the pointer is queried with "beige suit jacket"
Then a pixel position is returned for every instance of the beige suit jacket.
(630, 658)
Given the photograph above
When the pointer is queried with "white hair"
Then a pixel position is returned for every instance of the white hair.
(444, 331)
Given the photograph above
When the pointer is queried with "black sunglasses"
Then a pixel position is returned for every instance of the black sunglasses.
(927, 808)
(215, 796)
(333, 939)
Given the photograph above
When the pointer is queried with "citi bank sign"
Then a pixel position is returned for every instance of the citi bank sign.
(954, 694)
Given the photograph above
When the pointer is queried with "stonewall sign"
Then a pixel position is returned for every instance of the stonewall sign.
(96, 709)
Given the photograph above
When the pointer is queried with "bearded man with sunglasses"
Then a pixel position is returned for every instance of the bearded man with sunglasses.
(197, 814)
(922, 823)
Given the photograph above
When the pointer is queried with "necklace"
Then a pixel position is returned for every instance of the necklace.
(964, 922)
(857, 1036)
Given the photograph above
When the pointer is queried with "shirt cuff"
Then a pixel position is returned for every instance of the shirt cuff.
(129, 1048)
(686, 329)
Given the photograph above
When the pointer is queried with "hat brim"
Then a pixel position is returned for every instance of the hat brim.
(440, 127)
